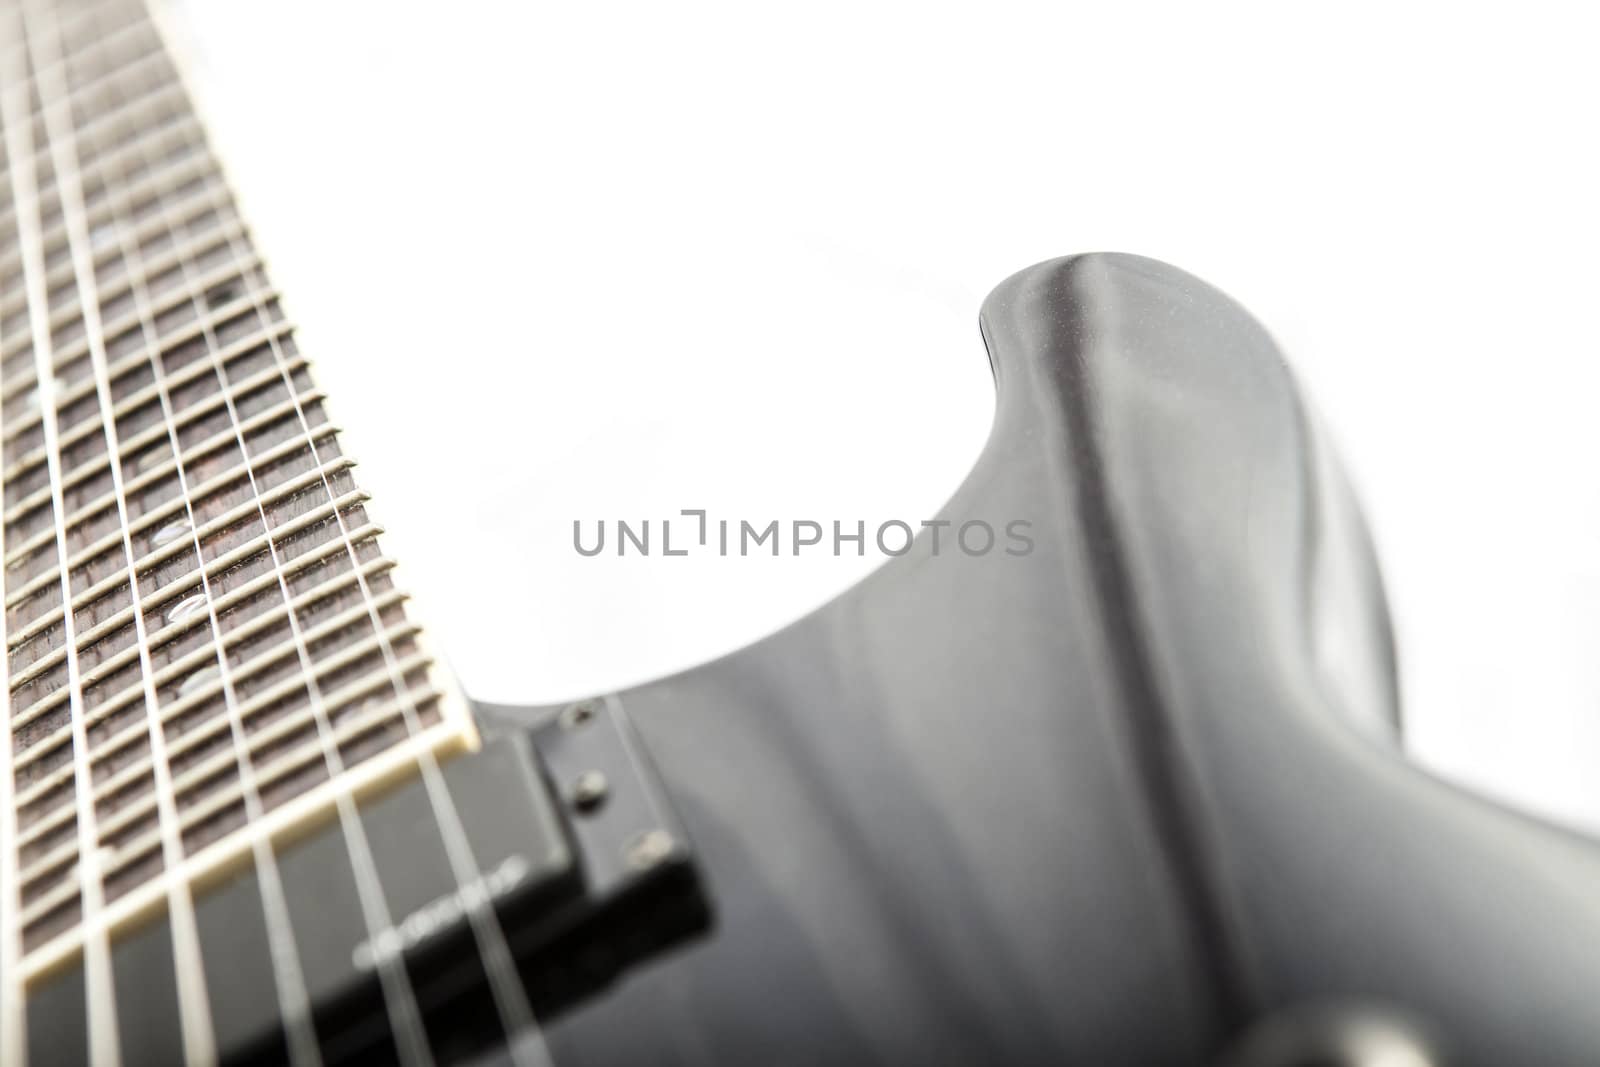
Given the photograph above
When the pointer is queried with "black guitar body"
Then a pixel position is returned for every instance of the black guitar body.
(1112, 801)
(1132, 797)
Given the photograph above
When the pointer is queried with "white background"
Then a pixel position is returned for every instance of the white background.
(591, 260)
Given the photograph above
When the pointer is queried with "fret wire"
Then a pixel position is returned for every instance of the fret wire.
(156, 555)
(293, 758)
(186, 332)
(140, 102)
(346, 651)
(223, 312)
(155, 266)
(197, 450)
(247, 670)
(11, 1006)
(113, 38)
(216, 566)
(236, 596)
(157, 99)
(228, 599)
(168, 591)
(78, 348)
(45, 704)
(60, 317)
(164, 552)
(511, 1002)
(334, 701)
(11, 1003)
(168, 469)
(268, 772)
(38, 789)
(216, 855)
(399, 997)
(95, 85)
(194, 1008)
(140, 233)
(190, 415)
(289, 980)
(278, 728)
(127, 405)
(193, 168)
(102, 1035)
(254, 625)
(510, 999)
(79, 14)
(13, 1019)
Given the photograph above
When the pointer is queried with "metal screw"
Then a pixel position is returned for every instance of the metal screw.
(577, 714)
(589, 791)
(649, 849)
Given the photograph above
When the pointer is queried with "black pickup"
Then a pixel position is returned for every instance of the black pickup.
(585, 866)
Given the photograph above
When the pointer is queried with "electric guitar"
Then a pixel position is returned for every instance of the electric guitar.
(1134, 796)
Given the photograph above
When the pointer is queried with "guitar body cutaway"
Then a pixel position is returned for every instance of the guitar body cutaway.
(1111, 801)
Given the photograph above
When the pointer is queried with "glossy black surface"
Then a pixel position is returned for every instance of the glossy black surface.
(1118, 800)
(1111, 802)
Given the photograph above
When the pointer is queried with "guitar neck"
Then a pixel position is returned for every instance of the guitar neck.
(205, 645)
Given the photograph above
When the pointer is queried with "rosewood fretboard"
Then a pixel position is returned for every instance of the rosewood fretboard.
(204, 643)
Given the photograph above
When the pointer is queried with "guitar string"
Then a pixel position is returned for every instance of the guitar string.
(396, 984)
(13, 1019)
(399, 997)
(99, 992)
(525, 1040)
(288, 976)
(236, 416)
(13, 1014)
(451, 830)
(194, 1010)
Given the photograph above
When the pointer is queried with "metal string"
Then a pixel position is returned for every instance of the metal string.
(510, 998)
(13, 1017)
(289, 979)
(525, 1040)
(99, 991)
(399, 997)
(199, 1037)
